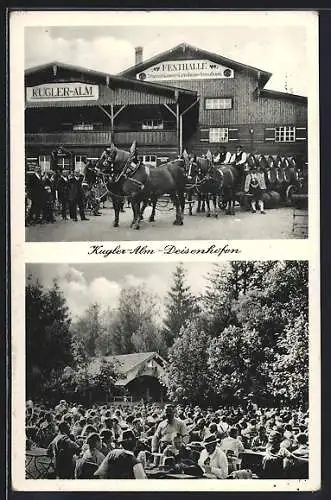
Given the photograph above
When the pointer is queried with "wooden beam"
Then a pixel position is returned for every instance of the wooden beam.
(169, 109)
(180, 134)
(105, 111)
(178, 125)
(119, 111)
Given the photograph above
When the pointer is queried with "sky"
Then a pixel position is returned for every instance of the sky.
(279, 49)
(85, 284)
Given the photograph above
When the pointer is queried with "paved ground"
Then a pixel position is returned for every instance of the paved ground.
(276, 224)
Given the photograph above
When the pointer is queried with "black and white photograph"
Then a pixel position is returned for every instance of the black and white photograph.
(180, 131)
(172, 371)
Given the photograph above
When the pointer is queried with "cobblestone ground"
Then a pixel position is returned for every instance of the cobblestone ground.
(275, 224)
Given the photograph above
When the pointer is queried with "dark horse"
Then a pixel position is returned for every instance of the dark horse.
(141, 183)
(232, 179)
(208, 182)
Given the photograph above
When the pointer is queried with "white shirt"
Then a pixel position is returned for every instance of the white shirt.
(217, 462)
(241, 161)
(165, 432)
(232, 444)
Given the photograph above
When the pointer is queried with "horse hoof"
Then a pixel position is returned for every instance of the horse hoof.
(175, 223)
(115, 224)
(151, 219)
(207, 215)
(141, 217)
(181, 223)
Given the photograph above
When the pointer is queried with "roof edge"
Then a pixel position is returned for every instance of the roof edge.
(267, 74)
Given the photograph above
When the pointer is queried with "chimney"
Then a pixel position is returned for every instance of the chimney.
(139, 55)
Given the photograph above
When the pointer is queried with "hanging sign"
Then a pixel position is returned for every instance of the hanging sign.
(71, 91)
(191, 69)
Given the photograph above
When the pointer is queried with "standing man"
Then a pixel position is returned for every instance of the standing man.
(37, 194)
(63, 449)
(76, 197)
(63, 188)
(168, 428)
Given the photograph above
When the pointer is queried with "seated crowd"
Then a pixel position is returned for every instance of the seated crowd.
(147, 441)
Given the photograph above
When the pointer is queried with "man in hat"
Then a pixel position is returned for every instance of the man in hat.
(255, 185)
(213, 460)
(121, 463)
(76, 197)
(169, 427)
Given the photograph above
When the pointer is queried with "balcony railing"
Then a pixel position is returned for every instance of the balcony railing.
(102, 138)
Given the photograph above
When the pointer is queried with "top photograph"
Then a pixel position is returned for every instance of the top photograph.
(180, 132)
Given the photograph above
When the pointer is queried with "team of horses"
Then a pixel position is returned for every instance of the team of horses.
(182, 179)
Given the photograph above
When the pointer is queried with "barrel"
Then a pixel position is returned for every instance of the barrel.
(280, 174)
(292, 161)
(275, 198)
(263, 162)
(266, 199)
(271, 161)
(251, 161)
(272, 176)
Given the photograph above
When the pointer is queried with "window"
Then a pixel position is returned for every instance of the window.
(152, 125)
(45, 162)
(83, 126)
(218, 135)
(285, 134)
(63, 163)
(79, 163)
(218, 103)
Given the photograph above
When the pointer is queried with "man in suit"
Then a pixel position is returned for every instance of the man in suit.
(63, 188)
(76, 197)
(37, 194)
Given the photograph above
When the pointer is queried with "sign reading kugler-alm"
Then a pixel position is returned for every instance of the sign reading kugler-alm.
(199, 69)
(72, 91)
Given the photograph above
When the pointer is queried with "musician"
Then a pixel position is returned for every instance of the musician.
(239, 157)
(76, 197)
(37, 194)
(49, 196)
(223, 156)
(62, 188)
(255, 185)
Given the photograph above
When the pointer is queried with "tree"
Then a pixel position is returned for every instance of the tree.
(90, 329)
(187, 376)
(48, 335)
(180, 305)
(290, 380)
(234, 362)
(217, 301)
(135, 324)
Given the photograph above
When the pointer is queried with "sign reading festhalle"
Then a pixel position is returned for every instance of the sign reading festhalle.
(199, 69)
(71, 91)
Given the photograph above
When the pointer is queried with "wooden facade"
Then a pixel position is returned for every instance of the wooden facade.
(125, 104)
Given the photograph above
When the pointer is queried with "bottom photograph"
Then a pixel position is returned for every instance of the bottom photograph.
(167, 370)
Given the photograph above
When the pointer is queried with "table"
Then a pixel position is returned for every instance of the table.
(38, 465)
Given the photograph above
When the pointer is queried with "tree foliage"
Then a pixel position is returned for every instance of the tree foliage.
(135, 325)
(48, 334)
(180, 305)
(187, 377)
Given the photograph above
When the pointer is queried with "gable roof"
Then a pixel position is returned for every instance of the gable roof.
(106, 79)
(179, 50)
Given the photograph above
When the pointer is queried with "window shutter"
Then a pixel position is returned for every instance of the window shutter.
(233, 134)
(204, 135)
(269, 134)
(300, 133)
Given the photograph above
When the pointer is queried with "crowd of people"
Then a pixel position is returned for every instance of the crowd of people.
(137, 441)
(63, 189)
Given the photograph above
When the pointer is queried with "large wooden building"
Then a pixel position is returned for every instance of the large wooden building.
(184, 98)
